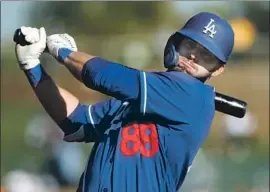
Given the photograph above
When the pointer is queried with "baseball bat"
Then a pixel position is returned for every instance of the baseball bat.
(223, 103)
(230, 105)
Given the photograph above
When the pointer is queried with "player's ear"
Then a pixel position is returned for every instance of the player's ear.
(218, 71)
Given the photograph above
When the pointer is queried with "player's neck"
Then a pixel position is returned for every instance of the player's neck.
(202, 79)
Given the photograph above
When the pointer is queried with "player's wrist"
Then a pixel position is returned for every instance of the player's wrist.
(63, 53)
(34, 75)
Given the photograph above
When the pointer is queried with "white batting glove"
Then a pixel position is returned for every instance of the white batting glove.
(28, 55)
(58, 41)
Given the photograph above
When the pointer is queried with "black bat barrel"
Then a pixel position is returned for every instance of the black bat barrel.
(230, 105)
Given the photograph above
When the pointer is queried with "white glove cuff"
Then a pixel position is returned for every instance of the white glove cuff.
(29, 64)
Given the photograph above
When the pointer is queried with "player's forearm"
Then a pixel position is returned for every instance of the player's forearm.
(75, 63)
(57, 102)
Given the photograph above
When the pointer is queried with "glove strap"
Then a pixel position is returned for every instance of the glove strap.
(63, 53)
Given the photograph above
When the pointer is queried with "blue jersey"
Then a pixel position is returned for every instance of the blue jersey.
(147, 135)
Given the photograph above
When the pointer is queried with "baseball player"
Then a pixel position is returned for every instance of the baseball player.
(147, 135)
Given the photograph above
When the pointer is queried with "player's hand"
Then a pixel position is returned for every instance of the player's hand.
(190, 67)
(187, 65)
(28, 55)
(57, 41)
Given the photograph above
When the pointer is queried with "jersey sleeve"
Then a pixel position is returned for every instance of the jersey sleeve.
(168, 97)
(113, 79)
(87, 122)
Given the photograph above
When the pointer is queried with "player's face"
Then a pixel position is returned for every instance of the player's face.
(196, 60)
(191, 67)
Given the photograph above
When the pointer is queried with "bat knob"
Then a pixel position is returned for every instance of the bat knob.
(19, 38)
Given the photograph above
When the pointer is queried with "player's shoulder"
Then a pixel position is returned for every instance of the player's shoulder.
(175, 76)
(182, 79)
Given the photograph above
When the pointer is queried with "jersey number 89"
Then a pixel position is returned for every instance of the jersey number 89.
(141, 138)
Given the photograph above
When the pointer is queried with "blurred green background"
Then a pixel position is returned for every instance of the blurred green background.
(135, 33)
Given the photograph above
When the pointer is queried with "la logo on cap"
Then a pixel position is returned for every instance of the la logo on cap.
(210, 27)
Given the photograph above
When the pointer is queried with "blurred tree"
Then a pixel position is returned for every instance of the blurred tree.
(103, 18)
(105, 28)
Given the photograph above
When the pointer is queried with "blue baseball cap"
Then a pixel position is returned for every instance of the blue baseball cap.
(212, 32)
